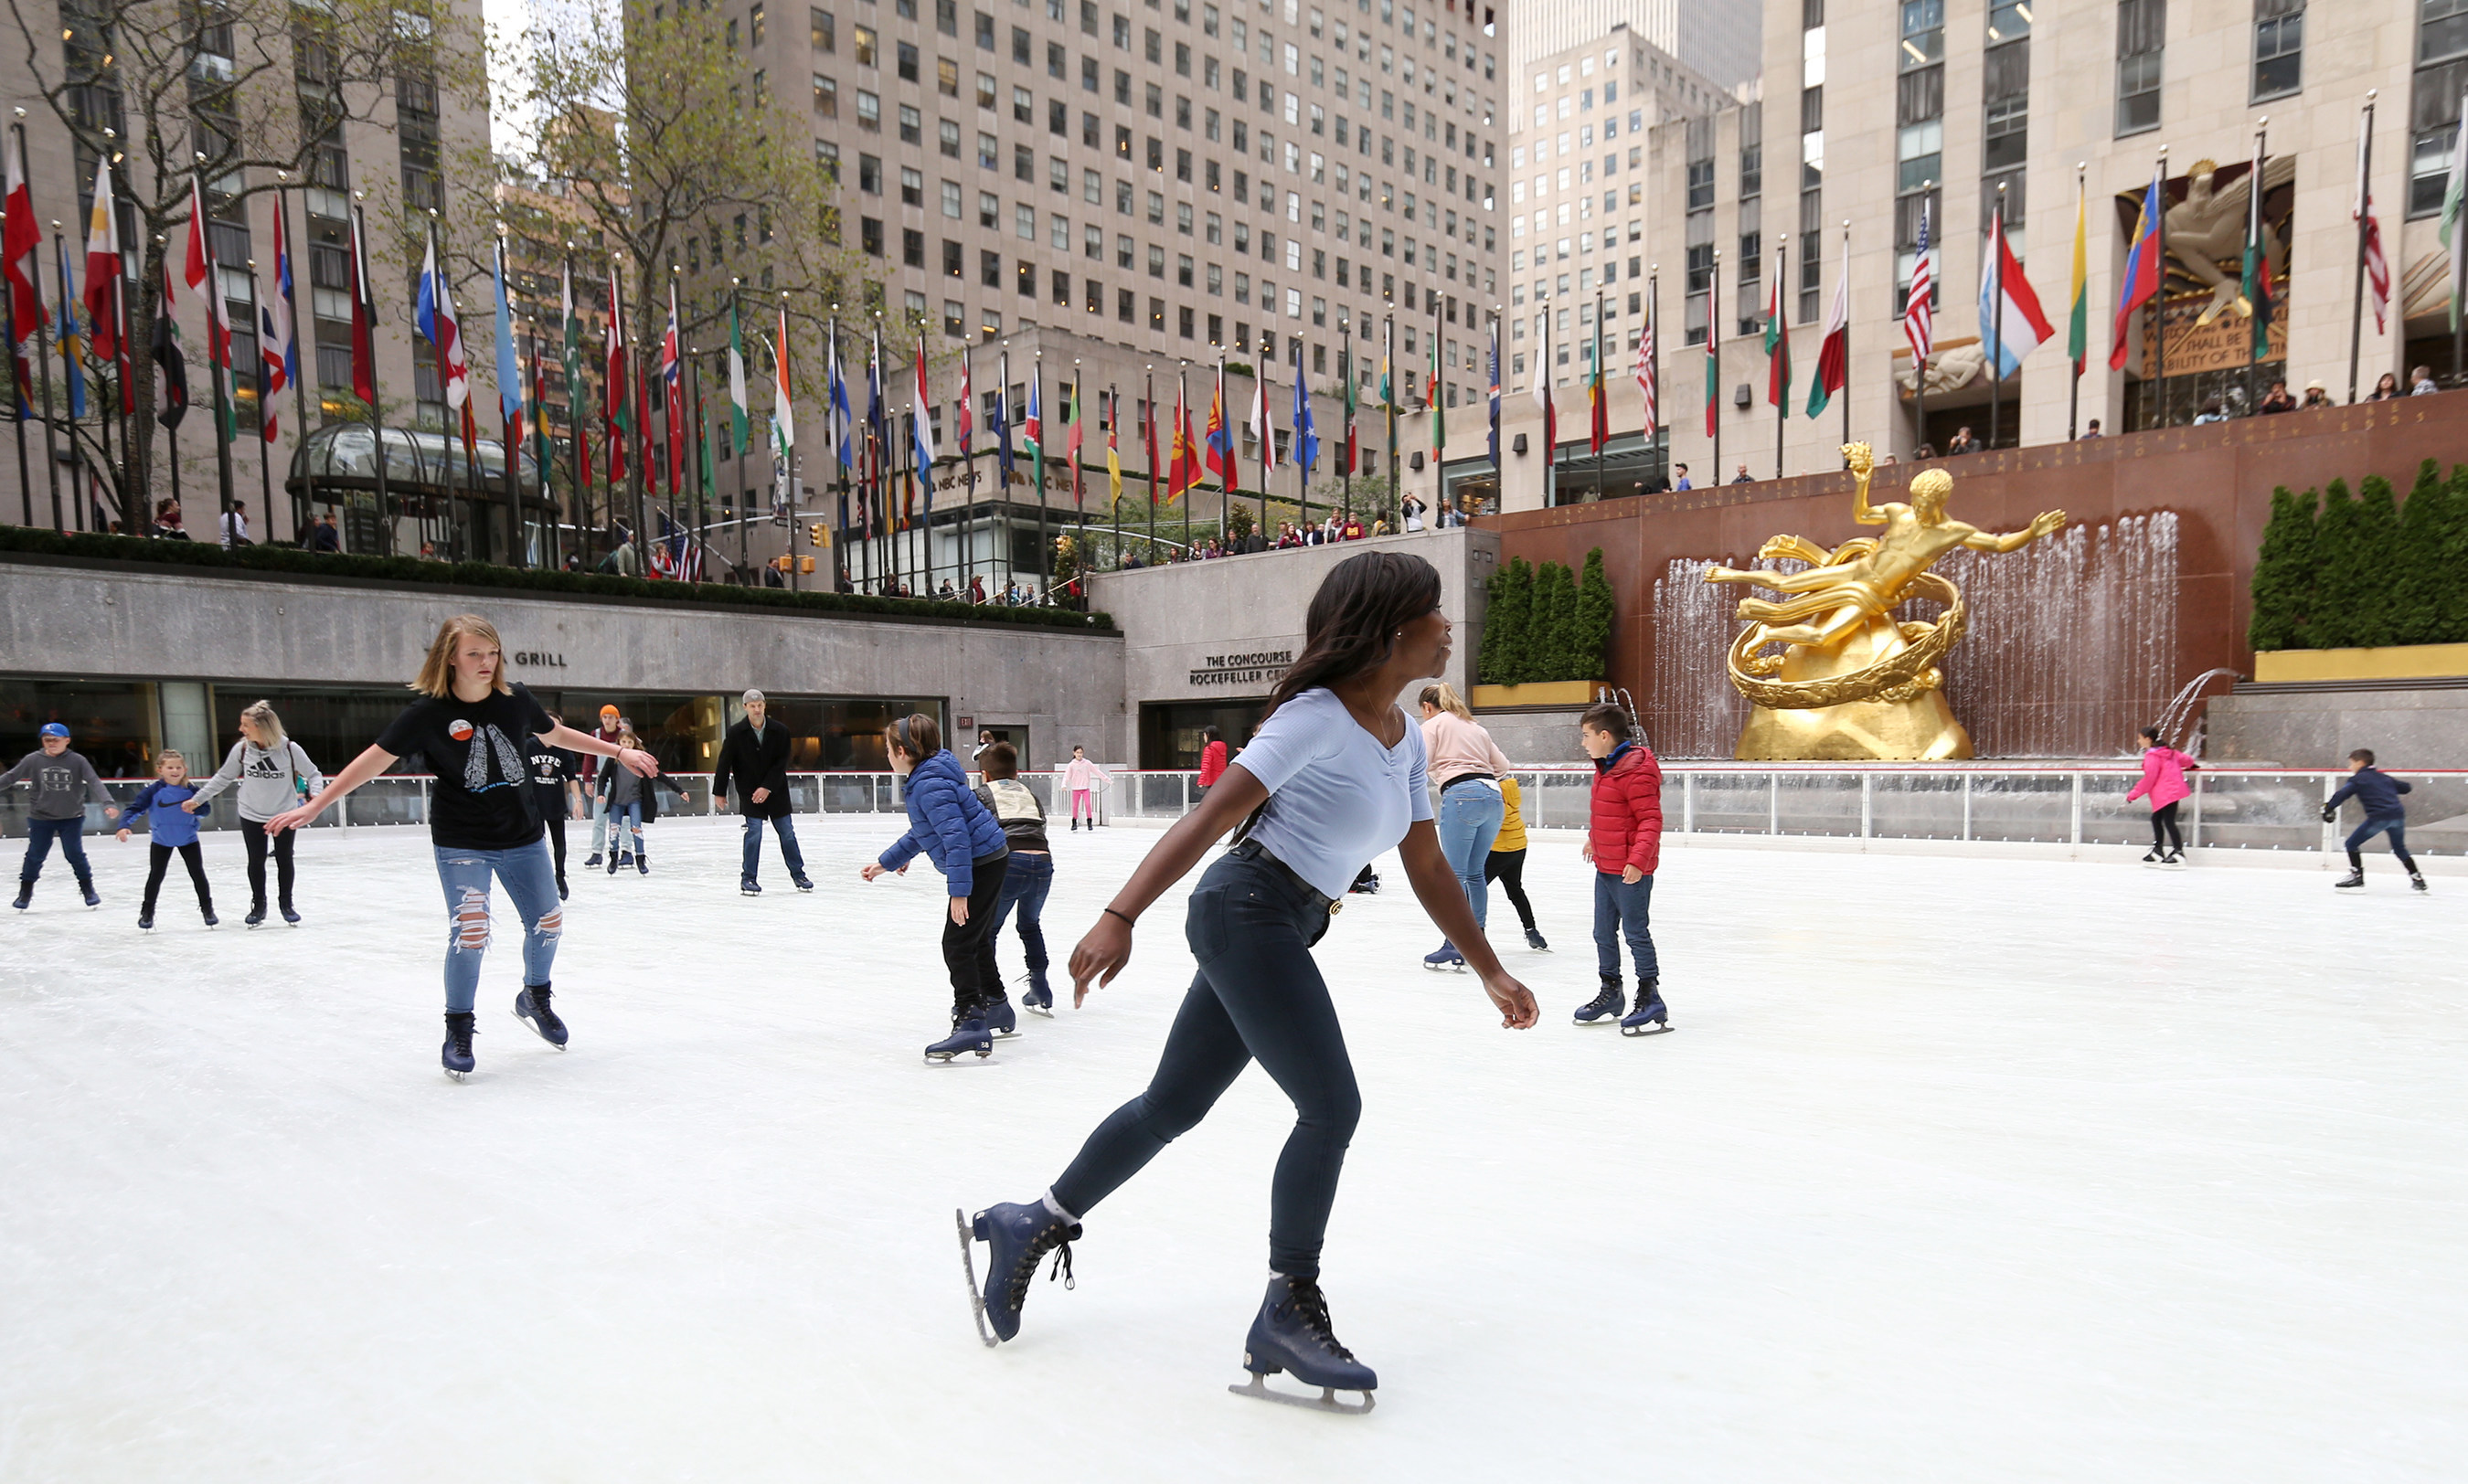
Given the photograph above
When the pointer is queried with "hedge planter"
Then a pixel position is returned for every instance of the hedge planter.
(277, 561)
(1557, 694)
(2391, 662)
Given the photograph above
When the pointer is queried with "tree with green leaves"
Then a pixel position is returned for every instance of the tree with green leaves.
(2341, 584)
(1553, 622)
(1506, 621)
(1594, 619)
(1486, 656)
(2284, 574)
(2375, 558)
(2454, 560)
(2420, 583)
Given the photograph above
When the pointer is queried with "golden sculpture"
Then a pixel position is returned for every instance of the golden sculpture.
(1852, 683)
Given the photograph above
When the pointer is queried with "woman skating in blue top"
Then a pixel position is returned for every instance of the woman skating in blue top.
(962, 840)
(1334, 776)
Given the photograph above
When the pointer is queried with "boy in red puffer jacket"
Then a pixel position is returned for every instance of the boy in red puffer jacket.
(1624, 840)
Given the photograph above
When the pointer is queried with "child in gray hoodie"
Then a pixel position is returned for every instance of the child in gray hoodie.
(274, 775)
(62, 781)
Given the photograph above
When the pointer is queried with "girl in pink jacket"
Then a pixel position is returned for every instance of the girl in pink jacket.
(1082, 778)
(2163, 784)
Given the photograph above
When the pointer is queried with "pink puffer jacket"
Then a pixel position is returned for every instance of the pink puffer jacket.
(2164, 778)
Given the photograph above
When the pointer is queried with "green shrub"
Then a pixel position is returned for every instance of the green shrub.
(2338, 580)
(1594, 619)
(2283, 574)
(1507, 621)
(2420, 582)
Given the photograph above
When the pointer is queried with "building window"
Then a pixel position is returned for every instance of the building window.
(2141, 31)
(824, 31)
(1923, 33)
(867, 47)
(827, 97)
(869, 111)
(2278, 47)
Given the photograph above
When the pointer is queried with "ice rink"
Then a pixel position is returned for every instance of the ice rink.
(1953, 1169)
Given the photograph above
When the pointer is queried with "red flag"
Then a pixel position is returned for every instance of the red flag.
(1148, 430)
(618, 403)
(18, 241)
(364, 352)
(102, 270)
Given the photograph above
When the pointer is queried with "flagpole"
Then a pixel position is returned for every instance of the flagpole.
(2365, 201)
(1389, 401)
(1997, 322)
(171, 431)
(43, 350)
(1714, 356)
(218, 316)
(2458, 288)
(1782, 342)
(2159, 297)
(2259, 340)
(2074, 376)
(265, 445)
(1302, 473)
(1345, 379)
(1045, 542)
(1145, 423)
(1603, 385)
(510, 442)
(1653, 323)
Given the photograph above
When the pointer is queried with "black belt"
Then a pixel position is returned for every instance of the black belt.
(1254, 850)
(1468, 778)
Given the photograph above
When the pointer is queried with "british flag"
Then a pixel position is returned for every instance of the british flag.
(1919, 324)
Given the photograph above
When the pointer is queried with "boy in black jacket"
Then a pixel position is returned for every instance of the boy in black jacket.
(755, 753)
(2377, 793)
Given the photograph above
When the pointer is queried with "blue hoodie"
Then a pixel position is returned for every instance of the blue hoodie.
(946, 822)
(2376, 791)
(167, 823)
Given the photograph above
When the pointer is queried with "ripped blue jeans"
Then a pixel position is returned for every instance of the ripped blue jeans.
(530, 880)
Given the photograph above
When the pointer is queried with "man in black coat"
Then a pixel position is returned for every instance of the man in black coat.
(755, 753)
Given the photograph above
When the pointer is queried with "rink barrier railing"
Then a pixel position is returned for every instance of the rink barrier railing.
(2230, 809)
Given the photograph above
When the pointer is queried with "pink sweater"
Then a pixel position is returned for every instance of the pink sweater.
(2163, 777)
(1458, 746)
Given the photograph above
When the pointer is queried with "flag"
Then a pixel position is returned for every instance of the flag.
(1777, 339)
(438, 326)
(2256, 286)
(2007, 303)
(924, 433)
(281, 342)
(72, 355)
(1598, 397)
(577, 412)
(2078, 317)
(1834, 355)
(1000, 424)
(1036, 426)
(102, 267)
(364, 309)
(619, 400)
(1645, 372)
(1148, 430)
(1346, 364)
(739, 423)
(783, 405)
(1431, 397)
(1180, 465)
(1221, 435)
(1113, 453)
(2377, 266)
(877, 428)
(510, 364)
(20, 238)
(1495, 395)
(676, 556)
(836, 420)
(2455, 201)
(204, 280)
(169, 355)
(1076, 413)
(967, 424)
(1919, 312)
(269, 366)
(1264, 427)
(2141, 279)
(1306, 431)
(671, 382)
(1186, 441)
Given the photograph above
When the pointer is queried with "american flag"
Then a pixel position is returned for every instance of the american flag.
(1919, 325)
(676, 555)
(1645, 376)
(2377, 266)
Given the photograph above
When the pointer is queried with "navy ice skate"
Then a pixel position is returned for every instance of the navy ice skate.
(747, 886)
(1605, 1005)
(2355, 877)
(1650, 1017)
(1001, 1019)
(256, 915)
(594, 861)
(211, 921)
(92, 900)
(1039, 996)
(969, 1035)
(1016, 1239)
(531, 1007)
(456, 1053)
(1292, 1333)
(2416, 880)
(293, 918)
(146, 921)
(802, 883)
(1445, 958)
(25, 895)
(1534, 941)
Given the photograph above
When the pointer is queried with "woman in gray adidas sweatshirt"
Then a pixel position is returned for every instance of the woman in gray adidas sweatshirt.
(274, 774)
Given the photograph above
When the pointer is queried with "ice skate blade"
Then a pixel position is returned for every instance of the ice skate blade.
(969, 1266)
(1325, 1401)
(1040, 1010)
(1653, 1028)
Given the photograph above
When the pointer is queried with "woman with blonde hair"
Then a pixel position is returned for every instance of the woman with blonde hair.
(470, 725)
(274, 774)
(1468, 767)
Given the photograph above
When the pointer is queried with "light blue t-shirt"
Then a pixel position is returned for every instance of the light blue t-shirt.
(1335, 797)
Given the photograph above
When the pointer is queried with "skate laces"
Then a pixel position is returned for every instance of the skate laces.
(1311, 1306)
(1054, 1237)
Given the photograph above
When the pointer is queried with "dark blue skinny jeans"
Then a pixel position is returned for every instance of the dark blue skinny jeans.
(1622, 908)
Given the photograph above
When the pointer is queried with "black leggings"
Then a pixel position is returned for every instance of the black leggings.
(968, 947)
(161, 860)
(1257, 994)
(2164, 817)
(556, 822)
(252, 834)
(1507, 867)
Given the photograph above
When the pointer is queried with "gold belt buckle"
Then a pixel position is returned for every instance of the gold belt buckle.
(1334, 907)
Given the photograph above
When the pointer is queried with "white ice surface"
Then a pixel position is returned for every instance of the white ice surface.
(1962, 1170)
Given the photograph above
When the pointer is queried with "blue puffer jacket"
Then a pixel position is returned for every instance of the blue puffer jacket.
(946, 822)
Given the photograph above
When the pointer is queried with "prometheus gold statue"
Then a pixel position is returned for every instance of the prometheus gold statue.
(1851, 683)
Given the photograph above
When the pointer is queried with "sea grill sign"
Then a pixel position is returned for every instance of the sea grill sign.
(1258, 668)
